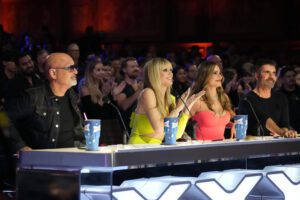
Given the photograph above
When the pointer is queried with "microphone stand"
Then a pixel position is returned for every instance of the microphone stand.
(125, 132)
(256, 118)
(193, 122)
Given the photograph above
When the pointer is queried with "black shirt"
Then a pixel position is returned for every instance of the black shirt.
(294, 107)
(179, 88)
(275, 107)
(95, 111)
(17, 86)
(126, 114)
(65, 136)
(36, 119)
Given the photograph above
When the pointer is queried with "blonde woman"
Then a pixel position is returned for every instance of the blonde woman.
(213, 111)
(155, 103)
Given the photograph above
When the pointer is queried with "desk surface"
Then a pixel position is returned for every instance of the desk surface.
(126, 155)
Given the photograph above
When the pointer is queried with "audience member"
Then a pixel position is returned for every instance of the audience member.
(180, 84)
(74, 51)
(213, 111)
(116, 66)
(231, 85)
(127, 99)
(41, 57)
(216, 59)
(26, 78)
(191, 74)
(298, 79)
(7, 72)
(47, 116)
(92, 104)
(269, 106)
(292, 92)
(155, 102)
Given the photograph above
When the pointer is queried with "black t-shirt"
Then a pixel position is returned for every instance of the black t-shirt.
(275, 107)
(179, 88)
(294, 107)
(17, 86)
(66, 134)
(126, 114)
(95, 111)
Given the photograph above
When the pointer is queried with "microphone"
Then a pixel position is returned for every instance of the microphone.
(125, 132)
(256, 118)
(193, 122)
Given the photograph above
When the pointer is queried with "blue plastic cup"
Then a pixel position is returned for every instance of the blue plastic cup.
(92, 129)
(241, 125)
(170, 129)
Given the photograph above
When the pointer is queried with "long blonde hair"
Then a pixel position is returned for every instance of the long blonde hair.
(93, 86)
(204, 73)
(152, 80)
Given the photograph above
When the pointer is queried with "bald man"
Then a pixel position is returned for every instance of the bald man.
(48, 116)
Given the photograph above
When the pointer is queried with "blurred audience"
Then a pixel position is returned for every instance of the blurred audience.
(27, 77)
(292, 92)
(7, 72)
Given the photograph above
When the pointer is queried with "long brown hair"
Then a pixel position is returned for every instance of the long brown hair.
(204, 73)
(93, 86)
(152, 80)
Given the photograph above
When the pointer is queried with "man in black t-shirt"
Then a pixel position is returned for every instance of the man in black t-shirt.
(292, 92)
(127, 99)
(265, 106)
(25, 78)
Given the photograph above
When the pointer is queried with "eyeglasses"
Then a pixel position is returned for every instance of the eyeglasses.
(69, 68)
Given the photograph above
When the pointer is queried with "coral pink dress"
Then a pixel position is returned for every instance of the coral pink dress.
(211, 126)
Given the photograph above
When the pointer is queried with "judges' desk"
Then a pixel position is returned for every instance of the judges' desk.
(111, 157)
(127, 155)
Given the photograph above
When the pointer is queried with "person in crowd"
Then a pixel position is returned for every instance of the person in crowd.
(74, 51)
(41, 57)
(213, 111)
(296, 68)
(92, 104)
(292, 92)
(155, 103)
(47, 116)
(180, 84)
(127, 99)
(26, 77)
(247, 80)
(7, 72)
(116, 66)
(298, 79)
(191, 74)
(216, 59)
(231, 85)
(270, 107)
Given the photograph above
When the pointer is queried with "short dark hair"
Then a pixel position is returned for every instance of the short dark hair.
(124, 64)
(259, 63)
(21, 55)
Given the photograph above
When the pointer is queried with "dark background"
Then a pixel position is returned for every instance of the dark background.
(268, 24)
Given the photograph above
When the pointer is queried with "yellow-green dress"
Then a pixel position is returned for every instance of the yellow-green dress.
(141, 126)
